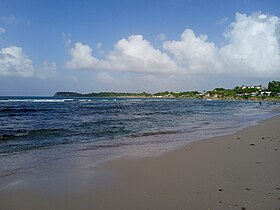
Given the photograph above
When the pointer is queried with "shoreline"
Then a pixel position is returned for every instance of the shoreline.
(233, 171)
(253, 99)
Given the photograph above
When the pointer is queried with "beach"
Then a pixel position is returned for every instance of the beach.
(237, 171)
(139, 105)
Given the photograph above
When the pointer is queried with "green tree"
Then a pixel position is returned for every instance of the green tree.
(274, 87)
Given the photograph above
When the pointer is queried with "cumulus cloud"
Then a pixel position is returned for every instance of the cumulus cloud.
(81, 57)
(13, 62)
(138, 55)
(252, 49)
(253, 45)
(192, 53)
(132, 54)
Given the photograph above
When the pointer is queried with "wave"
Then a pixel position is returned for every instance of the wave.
(156, 133)
(36, 100)
(106, 145)
(18, 110)
(11, 111)
(18, 134)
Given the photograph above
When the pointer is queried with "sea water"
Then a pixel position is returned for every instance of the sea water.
(63, 133)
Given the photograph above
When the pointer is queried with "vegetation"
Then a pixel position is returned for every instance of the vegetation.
(272, 92)
(221, 92)
(245, 90)
(274, 87)
(101, 94)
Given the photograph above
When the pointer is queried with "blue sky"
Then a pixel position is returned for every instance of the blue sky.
(102, 45)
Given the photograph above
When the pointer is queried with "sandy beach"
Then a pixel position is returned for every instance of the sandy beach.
(238, 171)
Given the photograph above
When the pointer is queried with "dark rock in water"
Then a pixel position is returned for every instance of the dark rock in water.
(262, 137)
(252, 144)
(243, 208)
(220, 190)
(248, 188)
(258, 162)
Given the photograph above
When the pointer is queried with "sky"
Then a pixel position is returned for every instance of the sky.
(136, 45)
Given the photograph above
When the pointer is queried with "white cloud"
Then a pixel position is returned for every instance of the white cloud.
(192, 53)
(252, 50)
(134, 54)
(13, 62)
(81, 57)
(137, 55)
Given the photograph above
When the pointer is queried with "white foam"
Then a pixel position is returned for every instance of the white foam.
(36, 100)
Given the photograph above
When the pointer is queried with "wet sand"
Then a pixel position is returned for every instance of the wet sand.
(238, 171)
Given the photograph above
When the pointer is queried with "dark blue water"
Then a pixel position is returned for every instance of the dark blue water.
(33, 123)
(39, 125)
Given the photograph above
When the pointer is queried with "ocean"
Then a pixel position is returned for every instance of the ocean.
(46, 132)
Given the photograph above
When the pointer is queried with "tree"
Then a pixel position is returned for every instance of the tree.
(274, 87)
(219, 89)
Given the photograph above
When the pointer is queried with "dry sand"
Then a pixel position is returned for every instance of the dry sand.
(239, 171)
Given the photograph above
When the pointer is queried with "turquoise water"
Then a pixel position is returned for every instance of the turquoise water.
(38, 131)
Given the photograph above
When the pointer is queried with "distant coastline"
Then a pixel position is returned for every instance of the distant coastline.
(271, 92)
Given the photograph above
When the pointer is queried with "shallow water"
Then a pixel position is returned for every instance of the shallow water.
(46, 136)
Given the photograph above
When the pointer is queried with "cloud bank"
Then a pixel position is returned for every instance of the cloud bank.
(133, 54)
(253, 45)
(252, 49)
